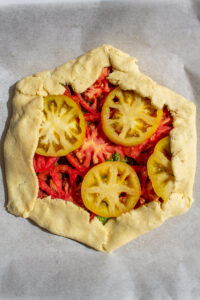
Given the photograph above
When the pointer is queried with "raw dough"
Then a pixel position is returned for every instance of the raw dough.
(65, 218)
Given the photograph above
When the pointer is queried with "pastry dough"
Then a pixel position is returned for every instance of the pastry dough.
(65, 218)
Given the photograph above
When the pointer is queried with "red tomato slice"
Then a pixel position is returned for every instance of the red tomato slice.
(69, 94)
(142, 174)
(58, 182)
(135, 151)
(80, 100)
(89, 106)
(43, 163)
(67, 91)
(94, 95)
(95, 149)
(163, 129)
(41, 194)
(100, 88)
(92, 117)
(147, 191)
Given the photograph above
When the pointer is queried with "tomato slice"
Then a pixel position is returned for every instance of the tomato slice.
(99, 89)
(91, 107)
(147, 191)
(128, 119)
(63, 127)
(135, 151)
(93, 97)
(110, 189)
(71, 95)
(92, 117)
(142, 151)
(160, 169)
(147, 195)
(95, 149)
(80, 100)
(58, 182)
(142, 174)
(43, 163)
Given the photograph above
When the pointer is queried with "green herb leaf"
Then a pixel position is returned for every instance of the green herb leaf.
(109, 159)
(116, 156)
(103, 220)
(125, 159)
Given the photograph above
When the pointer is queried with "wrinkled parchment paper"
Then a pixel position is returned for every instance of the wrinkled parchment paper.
(165, 37)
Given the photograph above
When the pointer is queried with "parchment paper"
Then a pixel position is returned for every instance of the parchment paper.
(165, 37)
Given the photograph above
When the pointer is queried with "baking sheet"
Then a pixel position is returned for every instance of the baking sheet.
(165, 37)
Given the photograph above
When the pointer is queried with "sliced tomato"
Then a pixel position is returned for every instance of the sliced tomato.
(58, 182)
(142, 151)
(95, 149)
(91, 107)
(91, 98)
(110, 189)
(135, 151)
(76, 193)
(43, 163)
(129, 119)
(70, 95)
(63, 127)
(99, 89)
(160, 169)
(142, 174)
(45, 188)
(147, 192)
(41, 194)
(67, 91)
(92, 117)
(81, 166)
(164, 128)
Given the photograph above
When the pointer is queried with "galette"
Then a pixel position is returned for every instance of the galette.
(98, 152)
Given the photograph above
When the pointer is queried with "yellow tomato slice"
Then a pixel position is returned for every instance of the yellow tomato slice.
(63, 127)
(160, 169)
(110, 189)
(129, 119)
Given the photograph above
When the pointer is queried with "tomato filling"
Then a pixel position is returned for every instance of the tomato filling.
(147, 191)
(99, 90)
(61, 177)
(95, 149)
(142, 151)
(43, 163)
(93, 98)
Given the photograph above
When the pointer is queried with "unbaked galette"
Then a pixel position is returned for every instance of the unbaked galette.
(98, 152)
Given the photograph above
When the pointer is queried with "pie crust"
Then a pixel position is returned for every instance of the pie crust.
(65, 218)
